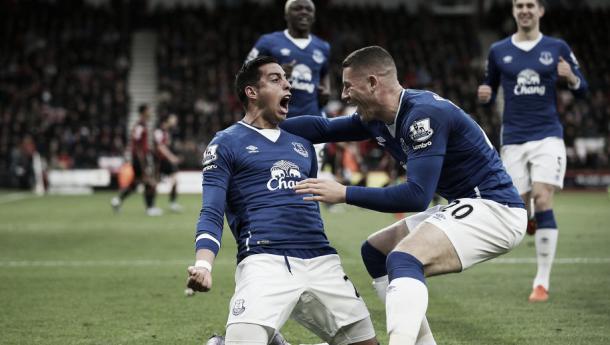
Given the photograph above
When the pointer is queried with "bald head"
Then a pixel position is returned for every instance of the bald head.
(371, 60)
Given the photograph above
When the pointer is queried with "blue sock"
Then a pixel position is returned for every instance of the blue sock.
(374, 260)
(404, 265)
(546, 220)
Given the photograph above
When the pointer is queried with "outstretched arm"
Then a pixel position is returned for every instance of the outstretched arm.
(208, 236)
(321, 130)
(413, 195)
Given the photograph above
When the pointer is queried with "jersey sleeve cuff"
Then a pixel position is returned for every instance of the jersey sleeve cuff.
(207, 241)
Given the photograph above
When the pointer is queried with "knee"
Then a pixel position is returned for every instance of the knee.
(374, 260)
(367, 249)
(247, 334)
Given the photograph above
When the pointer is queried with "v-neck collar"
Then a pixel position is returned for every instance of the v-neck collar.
(392, 127)
(295, 42)
(528, 44)
(272, 134)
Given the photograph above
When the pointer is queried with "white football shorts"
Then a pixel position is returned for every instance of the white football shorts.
(479, 229)
(315, 292)
(319, 148)
(535, 161)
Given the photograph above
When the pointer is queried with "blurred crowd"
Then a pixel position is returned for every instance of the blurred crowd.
(62, 84)
(63, 80)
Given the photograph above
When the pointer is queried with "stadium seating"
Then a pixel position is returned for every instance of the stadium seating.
(64, 69)
(62, 82)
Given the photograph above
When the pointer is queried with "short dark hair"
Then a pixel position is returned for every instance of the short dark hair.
(249, 75)
(142, 108)
(541, 3)
(369, 56)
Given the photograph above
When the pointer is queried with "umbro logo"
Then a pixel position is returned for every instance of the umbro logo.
(252, 149)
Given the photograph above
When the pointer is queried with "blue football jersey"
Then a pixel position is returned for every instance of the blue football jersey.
(529, 80)
(427, 126)
(249, 177)
(311, 65)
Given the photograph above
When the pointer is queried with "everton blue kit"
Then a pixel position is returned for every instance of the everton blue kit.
(248, 174)
(442, 148)
(311, 64)
(528, 79)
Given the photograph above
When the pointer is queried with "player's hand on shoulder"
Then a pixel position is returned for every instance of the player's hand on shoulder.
(199, 279)
(484, 93)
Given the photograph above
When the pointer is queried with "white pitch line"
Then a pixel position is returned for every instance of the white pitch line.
(564, 261)
(151, 263)
(12, 197)
(91, 263)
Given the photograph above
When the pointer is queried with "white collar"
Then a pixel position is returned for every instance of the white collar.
(392, 127)
(299, 42)
(273, 134)
(526, 45)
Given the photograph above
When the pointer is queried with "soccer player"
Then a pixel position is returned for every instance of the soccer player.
(141, 161)
(528, 65)
(286, 265)
(304, 56)
(167, 161)
(443, 151)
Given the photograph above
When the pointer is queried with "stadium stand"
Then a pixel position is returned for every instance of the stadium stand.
(63, 87)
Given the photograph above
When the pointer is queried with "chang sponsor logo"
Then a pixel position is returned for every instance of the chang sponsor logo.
(284, 175)
(528, 83)
(302, 78)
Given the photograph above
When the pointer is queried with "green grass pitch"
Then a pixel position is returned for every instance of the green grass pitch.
(72, 272)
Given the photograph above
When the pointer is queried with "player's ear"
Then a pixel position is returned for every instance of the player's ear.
(373, 82)
(250, 91)
(541, 10)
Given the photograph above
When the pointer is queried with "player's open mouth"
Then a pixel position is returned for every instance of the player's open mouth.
(284, 104)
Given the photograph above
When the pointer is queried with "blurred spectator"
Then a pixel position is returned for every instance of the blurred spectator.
(65, 64)
(63, 80)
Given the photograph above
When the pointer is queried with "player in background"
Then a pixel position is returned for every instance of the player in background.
(444, 151)
(166, 162)
(286, 266)
(142, 163)
(529, 66)
(304, 56)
